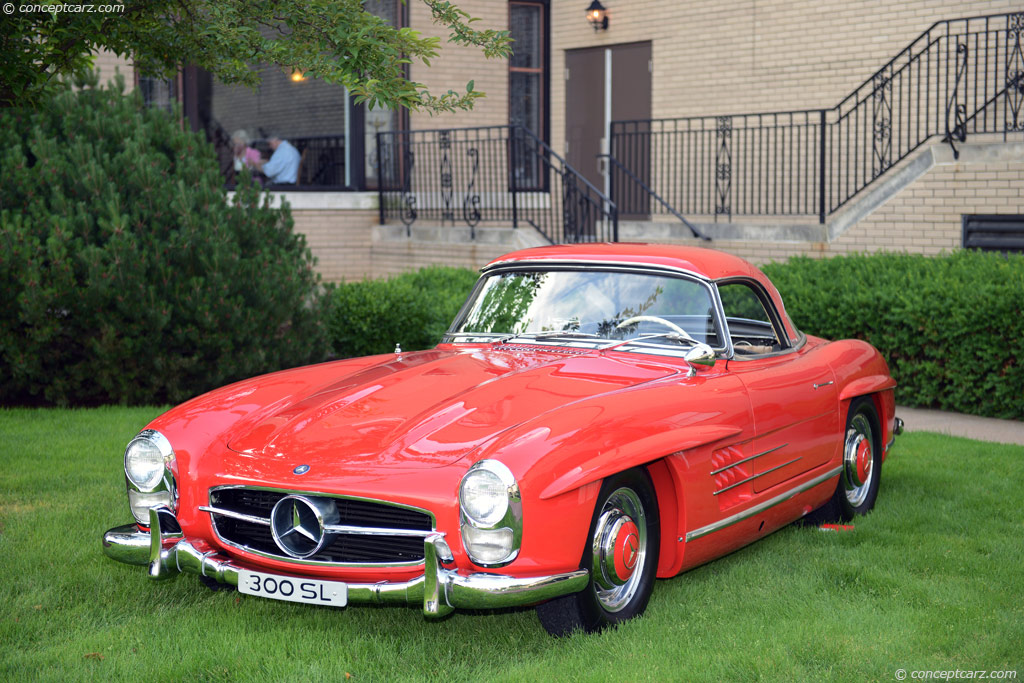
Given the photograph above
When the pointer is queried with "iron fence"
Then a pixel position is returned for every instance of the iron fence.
(959, 77)
(489, 174)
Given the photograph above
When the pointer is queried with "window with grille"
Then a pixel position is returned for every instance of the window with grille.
(527, 84)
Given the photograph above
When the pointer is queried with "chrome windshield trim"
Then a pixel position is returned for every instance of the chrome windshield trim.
(754, 476)
(761, 507)
(586, 264)
(748, 459)
(718, 313)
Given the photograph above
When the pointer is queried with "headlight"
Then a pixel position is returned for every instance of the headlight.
(492, 514)
(484, 497)
(146, 458)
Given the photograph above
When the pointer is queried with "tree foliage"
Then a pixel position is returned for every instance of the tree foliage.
(336, 41)
(125, 274)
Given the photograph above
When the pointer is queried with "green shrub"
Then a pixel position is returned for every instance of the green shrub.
(950, 327)
(125, 275)
(412, 309)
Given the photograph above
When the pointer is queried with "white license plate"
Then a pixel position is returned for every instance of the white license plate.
(293, 589)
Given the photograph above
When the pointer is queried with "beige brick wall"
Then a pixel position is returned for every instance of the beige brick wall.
(456, 65)
(340, 241)
(110, 64)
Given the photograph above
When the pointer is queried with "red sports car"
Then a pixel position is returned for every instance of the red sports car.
(597, 416)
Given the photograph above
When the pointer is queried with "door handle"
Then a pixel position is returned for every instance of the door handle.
(818, 385)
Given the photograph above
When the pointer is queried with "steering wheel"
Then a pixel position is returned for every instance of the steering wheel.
(655, 319)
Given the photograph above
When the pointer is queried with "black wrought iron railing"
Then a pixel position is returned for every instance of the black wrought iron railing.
(490, 174)
(958, 78)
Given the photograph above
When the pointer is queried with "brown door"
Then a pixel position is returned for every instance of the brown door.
(584, 111)
(596, 95)
(631, 101)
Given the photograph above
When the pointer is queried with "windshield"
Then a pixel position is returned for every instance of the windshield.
(596, 304)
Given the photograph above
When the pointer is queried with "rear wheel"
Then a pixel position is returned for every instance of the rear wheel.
(862, 466)
(621, 556)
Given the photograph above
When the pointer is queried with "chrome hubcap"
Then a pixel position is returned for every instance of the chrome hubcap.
(620, 549)
(858, 460)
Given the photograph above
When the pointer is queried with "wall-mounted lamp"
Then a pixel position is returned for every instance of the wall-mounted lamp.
(297, 76)
(597, 16)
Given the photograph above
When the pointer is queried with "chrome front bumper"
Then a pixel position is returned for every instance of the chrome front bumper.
(440, 591)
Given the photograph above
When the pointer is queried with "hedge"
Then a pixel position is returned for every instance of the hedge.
(951, 327)
(413, 310)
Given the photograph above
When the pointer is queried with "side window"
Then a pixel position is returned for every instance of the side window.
(750, 327)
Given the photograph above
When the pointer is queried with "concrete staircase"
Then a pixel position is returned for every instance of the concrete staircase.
(797, 230)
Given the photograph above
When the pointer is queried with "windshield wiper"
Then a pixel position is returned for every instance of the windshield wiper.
(671, 336)
(533, 336)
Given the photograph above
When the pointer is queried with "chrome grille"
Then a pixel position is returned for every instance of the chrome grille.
(241, 517)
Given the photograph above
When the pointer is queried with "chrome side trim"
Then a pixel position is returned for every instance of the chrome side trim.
(755, 476)
(748, 459)
(761, 507)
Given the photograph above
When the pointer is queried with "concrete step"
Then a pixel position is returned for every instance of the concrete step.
(490, 234)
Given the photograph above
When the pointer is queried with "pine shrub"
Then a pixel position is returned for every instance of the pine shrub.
(125, 274)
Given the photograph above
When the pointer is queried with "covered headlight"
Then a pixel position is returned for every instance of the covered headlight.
(146, 458)
(492, 514)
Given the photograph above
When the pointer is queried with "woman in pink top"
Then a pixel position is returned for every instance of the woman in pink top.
(245, 156)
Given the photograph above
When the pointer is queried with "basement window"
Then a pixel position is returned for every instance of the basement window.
(990, 232)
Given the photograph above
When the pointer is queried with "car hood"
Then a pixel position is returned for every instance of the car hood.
(431, 408)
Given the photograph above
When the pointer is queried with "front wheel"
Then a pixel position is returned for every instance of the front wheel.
(621, 555)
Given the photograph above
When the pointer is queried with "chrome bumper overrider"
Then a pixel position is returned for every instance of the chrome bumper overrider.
(439, 590)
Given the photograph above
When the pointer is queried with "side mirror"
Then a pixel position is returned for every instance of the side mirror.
(700, 354)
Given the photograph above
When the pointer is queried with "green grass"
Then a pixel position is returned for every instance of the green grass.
(932, 580)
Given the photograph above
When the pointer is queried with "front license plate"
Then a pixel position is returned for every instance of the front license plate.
(293, 589)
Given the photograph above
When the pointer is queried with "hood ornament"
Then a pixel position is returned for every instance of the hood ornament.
(301, 469)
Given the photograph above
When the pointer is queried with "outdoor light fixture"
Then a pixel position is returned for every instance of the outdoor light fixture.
(597, 16)
(297, 76)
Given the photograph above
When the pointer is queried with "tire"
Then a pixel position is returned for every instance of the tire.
(862, 467)
(626, 513)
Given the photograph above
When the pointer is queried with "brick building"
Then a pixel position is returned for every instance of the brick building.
(775, 127)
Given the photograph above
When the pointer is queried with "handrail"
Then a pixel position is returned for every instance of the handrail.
(654, 195)
(813, 162)
(500, 174)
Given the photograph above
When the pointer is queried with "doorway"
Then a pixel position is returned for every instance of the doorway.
(605, 84)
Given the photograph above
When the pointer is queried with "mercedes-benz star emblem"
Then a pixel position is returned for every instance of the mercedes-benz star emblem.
(631, 554)
(297, 526)
(301, 469)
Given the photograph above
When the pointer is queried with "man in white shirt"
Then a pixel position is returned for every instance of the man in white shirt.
(283, 166)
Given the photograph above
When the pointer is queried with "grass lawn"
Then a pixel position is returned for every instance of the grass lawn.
(933, 580)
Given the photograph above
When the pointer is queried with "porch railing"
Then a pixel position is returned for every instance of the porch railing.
(490, 174)
(958, 78)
